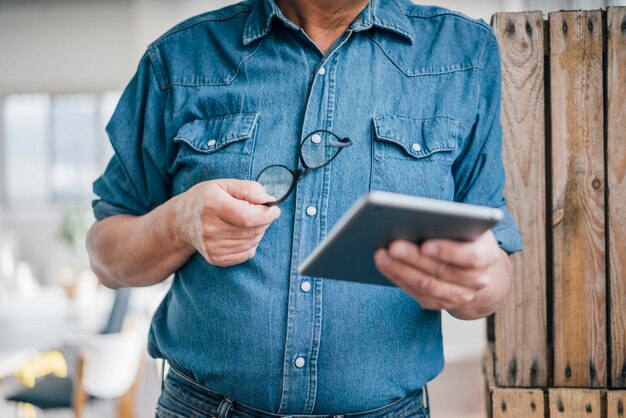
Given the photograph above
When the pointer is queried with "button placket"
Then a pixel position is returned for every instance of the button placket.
(305, 295)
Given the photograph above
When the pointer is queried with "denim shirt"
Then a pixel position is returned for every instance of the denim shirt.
(227, 93)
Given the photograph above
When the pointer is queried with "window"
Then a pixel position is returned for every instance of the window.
(55, 146)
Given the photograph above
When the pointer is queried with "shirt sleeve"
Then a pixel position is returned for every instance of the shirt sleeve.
(479, 171)
(136, 179)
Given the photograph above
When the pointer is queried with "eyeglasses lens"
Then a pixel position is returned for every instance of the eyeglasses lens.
(276, 180)
(319, 148)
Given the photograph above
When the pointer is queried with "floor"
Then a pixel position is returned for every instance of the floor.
(456, 393)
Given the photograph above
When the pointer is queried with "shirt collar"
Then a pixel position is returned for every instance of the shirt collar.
(385, 14)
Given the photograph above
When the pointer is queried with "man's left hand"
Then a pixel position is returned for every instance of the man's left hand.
(442, 274)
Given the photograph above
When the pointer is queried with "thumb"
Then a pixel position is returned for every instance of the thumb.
(250, 191)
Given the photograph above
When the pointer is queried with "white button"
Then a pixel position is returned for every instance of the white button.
(211, 142)
(299, 362)
(316, 138)
(321, 71)
(311, 211)
(416, 147)
(305, 286)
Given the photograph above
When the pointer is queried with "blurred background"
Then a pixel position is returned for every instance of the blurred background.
(62, 68)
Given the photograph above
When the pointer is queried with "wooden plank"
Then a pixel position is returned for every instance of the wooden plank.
(616, 404)
(487, 363)
(616, 185)
(576, 403)
(520, 323)
(518, 403)
(578, 185)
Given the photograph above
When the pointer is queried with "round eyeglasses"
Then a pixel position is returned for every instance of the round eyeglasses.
(316, 150)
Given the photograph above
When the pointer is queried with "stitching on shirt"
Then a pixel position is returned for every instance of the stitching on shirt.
(226, 81)
(251, 34)
(421, 15)
(194, 21)
(462, 67)
(247, 126)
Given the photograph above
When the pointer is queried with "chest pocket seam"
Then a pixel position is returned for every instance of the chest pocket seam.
(211, 135)
(418, 138)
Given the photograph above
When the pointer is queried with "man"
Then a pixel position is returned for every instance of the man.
(226, 94)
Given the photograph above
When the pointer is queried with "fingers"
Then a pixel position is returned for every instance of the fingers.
(409, 253)
(222, 230)
(424, 288)
(241, 213)
(250, 191)
(478, 254)
(231, 259)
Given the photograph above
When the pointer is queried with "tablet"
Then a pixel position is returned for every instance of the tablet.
(379, 218)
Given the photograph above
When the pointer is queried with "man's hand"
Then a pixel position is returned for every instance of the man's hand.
(224, 220)
(466, 278)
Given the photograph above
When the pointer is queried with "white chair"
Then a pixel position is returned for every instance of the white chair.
(110, 366)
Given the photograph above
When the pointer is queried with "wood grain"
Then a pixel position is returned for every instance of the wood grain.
(488, 373)
(578, 186)
(616, 186)
(518, 403)
(616, 404)
(520, 323)
(575, 403)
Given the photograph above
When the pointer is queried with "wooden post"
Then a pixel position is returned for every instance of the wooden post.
(576, 403)
(520, 323)
(578, 182)
(616, 179)
(616, 404)
(518, 403)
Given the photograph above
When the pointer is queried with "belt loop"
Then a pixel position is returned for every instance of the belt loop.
(425, 400)
(224, 408)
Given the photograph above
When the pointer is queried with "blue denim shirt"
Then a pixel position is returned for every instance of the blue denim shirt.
(227, 93)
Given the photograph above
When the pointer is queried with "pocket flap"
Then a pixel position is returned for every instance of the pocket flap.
(209, 135)
(418, 137)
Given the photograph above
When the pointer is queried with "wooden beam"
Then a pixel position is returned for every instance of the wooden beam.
(518, 403)
(576, 403)
(578, 186)
(616, 185)
(520, 323)
(616, 404)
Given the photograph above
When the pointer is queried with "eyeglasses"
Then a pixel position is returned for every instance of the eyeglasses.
(316, 150)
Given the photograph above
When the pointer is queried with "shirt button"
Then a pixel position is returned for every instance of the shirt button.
(311, 211)
(305, 286)
(211, 142)
(416, 147)
(321, 71)
(316, 138)
(300, 362)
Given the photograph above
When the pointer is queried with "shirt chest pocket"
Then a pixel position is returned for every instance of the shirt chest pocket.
(414, 156)
(216, 148)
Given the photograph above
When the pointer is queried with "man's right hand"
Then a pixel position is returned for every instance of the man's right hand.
(224, 220)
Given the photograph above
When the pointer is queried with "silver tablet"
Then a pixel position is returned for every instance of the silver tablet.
(379, 218)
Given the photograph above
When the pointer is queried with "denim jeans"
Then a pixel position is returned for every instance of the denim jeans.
(183, 397)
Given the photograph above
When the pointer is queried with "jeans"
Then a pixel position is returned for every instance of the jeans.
(183, 397)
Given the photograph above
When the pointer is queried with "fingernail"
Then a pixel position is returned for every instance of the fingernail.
(398, 250)
(468, 298)
(383, 258)
(430, 249)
